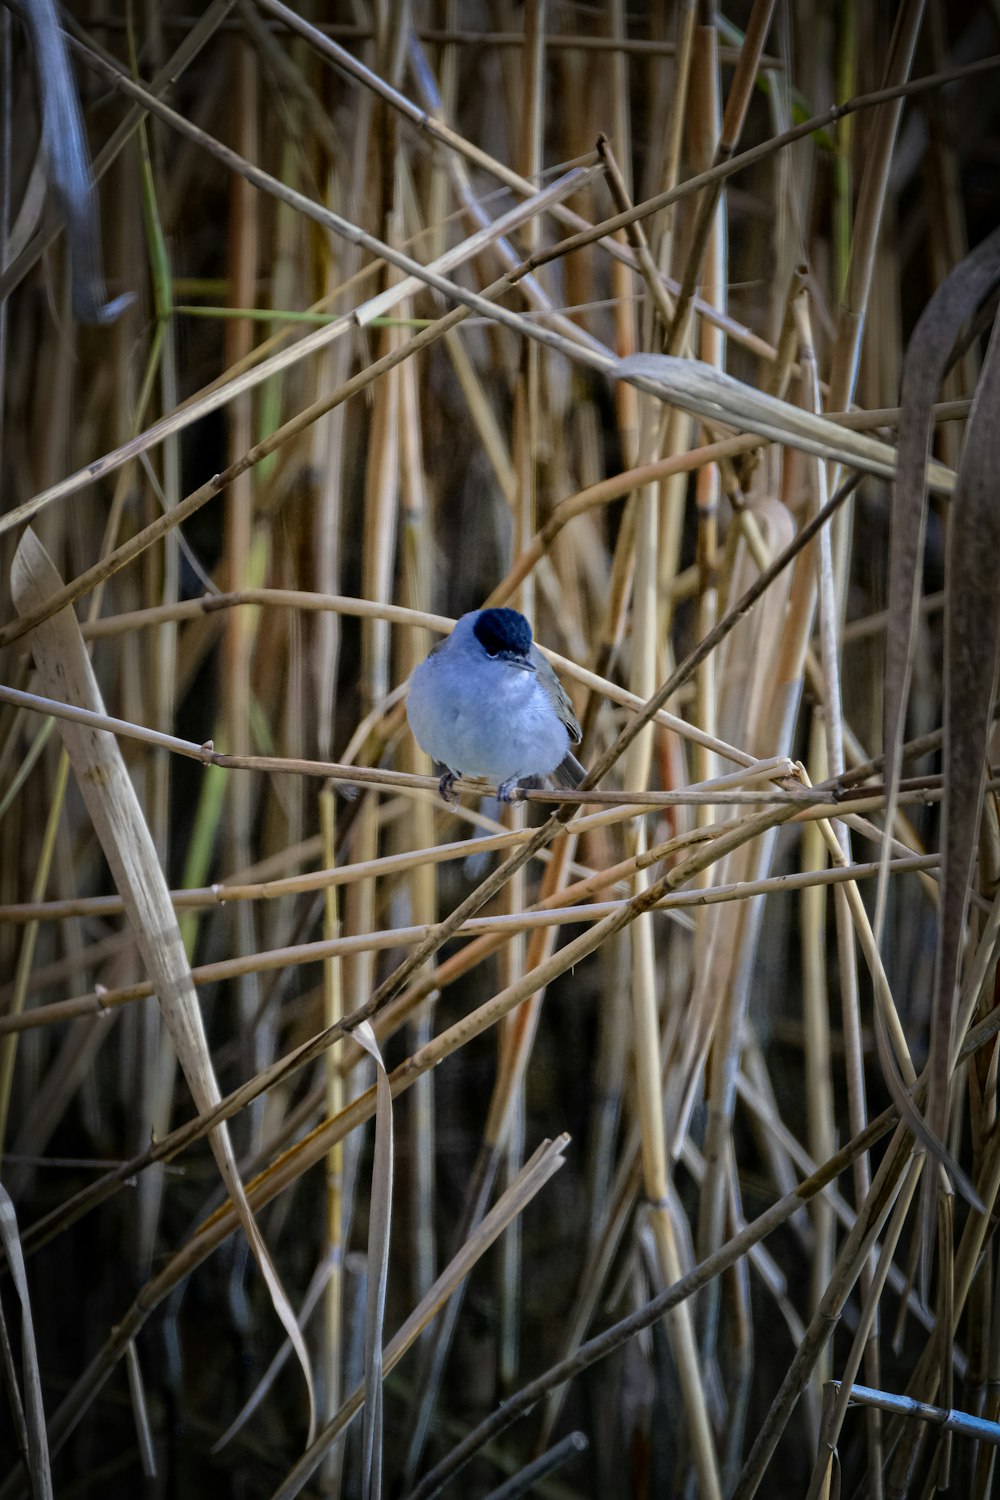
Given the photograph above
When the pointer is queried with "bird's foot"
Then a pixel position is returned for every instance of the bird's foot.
(506, 789)
(446, 784)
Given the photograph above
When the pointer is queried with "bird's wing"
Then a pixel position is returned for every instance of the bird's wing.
(558, 695)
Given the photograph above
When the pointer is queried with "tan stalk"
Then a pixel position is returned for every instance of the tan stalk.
(330, 452)
(105, 1000)
(829, 618)
(686, 13)
(816, 1022)
(416, 542)
(332, 1354)
(711, 951)
(241, 630)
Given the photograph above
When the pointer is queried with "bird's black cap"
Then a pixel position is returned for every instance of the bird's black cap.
(503, 632)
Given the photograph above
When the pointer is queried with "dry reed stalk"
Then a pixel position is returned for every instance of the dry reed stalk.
(333, 1009)
(506, 1137)
(816, 1022)
(831, 613)
(104, 1001)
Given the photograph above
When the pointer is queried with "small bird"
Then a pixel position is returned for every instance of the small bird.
(485, 702)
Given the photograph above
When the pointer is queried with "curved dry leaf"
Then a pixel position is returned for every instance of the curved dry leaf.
(972, 649)
(64, 668)
(317, 1286)
(34, 1411)
(719, 398)
(925, 366)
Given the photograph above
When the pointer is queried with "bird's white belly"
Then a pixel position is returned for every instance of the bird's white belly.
(504, 727)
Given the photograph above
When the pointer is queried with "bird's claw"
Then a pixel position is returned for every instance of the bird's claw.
(506, 789)
(446, 784)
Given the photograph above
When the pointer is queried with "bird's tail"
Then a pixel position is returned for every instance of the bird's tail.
(568, 773)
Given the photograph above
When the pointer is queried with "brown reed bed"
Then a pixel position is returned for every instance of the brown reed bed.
(637, 1141)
